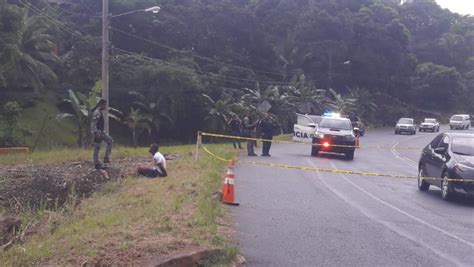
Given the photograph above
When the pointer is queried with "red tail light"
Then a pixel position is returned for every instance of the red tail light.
(326, 144)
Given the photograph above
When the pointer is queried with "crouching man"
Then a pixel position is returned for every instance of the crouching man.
(159, 168)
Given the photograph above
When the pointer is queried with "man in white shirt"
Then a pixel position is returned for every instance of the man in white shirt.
(159, 168)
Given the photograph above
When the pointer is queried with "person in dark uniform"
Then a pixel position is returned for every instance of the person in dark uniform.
(99, 135)
(266, 126)
(235, 127)
(251, 132)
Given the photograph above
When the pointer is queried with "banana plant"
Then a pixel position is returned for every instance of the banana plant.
(342, 104)
(81, 106)
(138, 122)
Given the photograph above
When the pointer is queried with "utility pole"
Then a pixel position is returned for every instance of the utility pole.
(330, 69)
(105, 60)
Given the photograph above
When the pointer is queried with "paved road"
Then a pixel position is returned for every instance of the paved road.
(302, 218)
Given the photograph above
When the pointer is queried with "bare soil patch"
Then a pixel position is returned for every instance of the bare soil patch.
(48, 186)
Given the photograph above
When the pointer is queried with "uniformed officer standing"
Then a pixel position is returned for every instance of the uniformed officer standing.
(235, 127)
(99, 135)
(250, 130)
(266, 126)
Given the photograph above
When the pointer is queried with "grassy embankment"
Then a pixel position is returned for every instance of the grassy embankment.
(130, 220)
(55, 134)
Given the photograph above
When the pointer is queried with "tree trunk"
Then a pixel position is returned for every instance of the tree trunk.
(80, 140)
(134, 137)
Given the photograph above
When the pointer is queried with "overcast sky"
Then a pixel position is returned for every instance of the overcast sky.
(465, 7)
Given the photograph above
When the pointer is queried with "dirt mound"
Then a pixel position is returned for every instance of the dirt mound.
(48, 186)
(25, 187)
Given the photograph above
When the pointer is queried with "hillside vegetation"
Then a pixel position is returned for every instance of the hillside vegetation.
(197, 62)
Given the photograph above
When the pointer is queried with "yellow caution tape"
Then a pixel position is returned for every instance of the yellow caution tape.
(295, 142)
(335, 171)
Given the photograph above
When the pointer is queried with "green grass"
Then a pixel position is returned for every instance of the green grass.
(134, 215)
(55, 134)
(283, 137)
(78, 154)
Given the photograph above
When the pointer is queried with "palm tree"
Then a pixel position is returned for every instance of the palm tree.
(150, 108)
(308, 98)
(138, 122)
(342, 104)
(273, 96)
(364, 103)
(30, 53)
(220, 110)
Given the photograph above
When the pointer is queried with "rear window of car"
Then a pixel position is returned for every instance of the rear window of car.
(463, 146)
(456, 118)
(405, 121)
(335, 124)
(430, 120)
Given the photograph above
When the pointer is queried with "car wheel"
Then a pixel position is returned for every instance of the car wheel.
(396, 132)
(446, 190)
(451, 127)
(350, 155)
(422, 184)
(414, 132)
(314, 151)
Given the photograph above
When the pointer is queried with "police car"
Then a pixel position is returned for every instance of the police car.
(334, 134)
(303, 130)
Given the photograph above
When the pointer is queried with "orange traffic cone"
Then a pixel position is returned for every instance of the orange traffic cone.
(228, 196)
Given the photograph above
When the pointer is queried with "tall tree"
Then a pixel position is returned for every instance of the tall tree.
(30, 50)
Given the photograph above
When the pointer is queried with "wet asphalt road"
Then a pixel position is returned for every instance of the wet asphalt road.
(304, 218)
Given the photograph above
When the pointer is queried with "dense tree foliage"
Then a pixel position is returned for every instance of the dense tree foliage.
(197, 62)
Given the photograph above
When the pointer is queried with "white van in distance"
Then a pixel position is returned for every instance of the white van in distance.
(460, 121)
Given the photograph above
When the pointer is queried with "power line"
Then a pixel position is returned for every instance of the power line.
(225, 78)
(56, 22)
(192, 71)
(197, 56)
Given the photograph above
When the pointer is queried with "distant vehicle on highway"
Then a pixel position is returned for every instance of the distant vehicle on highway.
(448, 156)
(334, 134)
(405, 125)
(303, 130)
(357, 123)
(429, 125)
(460, 121)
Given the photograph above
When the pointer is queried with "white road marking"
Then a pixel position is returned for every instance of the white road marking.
(383, 202)
(399, 156)
(387, 224)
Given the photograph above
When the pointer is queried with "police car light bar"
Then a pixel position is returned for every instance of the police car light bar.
(332, 114)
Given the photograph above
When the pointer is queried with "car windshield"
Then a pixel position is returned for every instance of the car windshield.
(336, 124)
(456, 118)
(463, 146)
(405, 121)
(430, 120)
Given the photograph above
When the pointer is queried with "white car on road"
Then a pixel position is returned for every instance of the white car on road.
(460, 121)
(429, 125)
